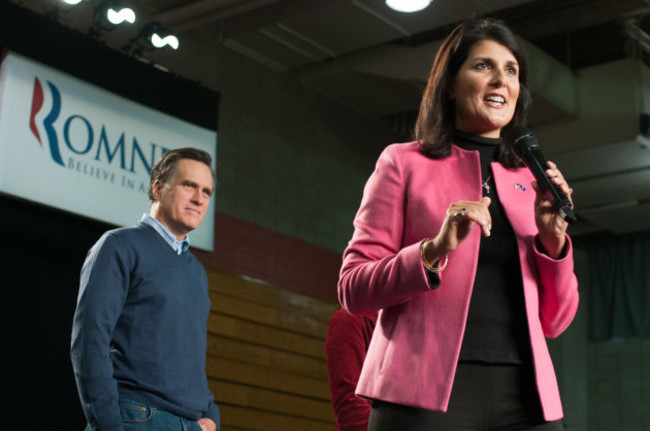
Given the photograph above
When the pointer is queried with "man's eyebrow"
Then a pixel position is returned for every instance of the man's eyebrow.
(191, 183)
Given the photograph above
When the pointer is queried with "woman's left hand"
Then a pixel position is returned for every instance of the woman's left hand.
(551, 226)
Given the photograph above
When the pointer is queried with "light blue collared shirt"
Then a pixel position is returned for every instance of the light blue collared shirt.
(178, 246)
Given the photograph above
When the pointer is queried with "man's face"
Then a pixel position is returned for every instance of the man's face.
(181, 203)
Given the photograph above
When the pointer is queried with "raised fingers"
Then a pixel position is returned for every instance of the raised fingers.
(465, 213)
(558, 179)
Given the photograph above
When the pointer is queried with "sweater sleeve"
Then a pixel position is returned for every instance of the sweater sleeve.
(377, 270)
(558, 291)
(103, 288)
(213, 411)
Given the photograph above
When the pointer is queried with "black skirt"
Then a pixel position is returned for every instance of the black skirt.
(485, 397)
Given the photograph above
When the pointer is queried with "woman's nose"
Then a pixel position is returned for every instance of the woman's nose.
(497, 78)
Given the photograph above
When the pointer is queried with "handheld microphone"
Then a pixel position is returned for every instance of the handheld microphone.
(527, 147)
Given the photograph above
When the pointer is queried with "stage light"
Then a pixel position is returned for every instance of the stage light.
(121, 15)
(408, 5)
(153, 35)
(158, 42)
(159, 36)
(109, 15)
(58, 8)
(115, 12)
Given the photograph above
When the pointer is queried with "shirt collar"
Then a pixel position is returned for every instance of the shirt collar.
(178, 246)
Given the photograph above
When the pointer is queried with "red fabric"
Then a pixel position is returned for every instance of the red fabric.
(346, 343)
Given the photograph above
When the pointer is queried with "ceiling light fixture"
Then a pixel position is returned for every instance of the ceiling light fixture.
(108, 15)
(153, 35)
(159, 36)
(72, 2)
(161, 42)
(118, 16)
(408, 6)
(115, 12)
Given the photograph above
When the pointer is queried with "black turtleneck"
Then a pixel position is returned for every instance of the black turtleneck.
(497, 326)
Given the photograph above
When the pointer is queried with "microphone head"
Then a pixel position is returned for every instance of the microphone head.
(522, 139)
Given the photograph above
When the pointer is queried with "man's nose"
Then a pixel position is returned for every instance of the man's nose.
(198, 197)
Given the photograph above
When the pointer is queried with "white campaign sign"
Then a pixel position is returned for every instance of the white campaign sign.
(74, 146)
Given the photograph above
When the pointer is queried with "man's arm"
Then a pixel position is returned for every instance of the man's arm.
(102, 290)
(212, 417)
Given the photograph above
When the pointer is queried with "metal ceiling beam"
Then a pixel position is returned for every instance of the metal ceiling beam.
(203, 12)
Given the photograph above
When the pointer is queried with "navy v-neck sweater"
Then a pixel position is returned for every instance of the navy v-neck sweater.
(140, 328)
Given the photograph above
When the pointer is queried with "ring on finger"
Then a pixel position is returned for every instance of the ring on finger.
(461, 213)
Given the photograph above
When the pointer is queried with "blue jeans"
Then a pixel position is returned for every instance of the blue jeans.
(138, 416)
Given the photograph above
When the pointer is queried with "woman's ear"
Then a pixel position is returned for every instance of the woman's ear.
(451, 92)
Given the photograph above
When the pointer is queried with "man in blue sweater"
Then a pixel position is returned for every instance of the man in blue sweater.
(140, 327)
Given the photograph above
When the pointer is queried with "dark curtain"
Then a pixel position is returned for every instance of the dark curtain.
(620, 285)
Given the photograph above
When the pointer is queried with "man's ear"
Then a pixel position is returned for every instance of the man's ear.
(156, 189)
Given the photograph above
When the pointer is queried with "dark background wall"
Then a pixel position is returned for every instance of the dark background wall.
(41, 253)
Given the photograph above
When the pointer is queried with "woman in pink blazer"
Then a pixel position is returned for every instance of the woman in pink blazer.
(464, 256)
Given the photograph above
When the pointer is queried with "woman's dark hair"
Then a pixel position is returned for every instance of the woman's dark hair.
(166, 165)
(434, 127)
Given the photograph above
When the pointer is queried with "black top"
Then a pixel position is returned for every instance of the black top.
(497, 326)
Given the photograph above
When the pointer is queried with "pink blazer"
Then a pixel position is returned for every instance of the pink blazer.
(415, 347)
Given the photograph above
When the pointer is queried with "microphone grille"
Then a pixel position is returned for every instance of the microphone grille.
(521, 138)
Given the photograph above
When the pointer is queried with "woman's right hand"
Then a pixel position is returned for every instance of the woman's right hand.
(459, 221)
